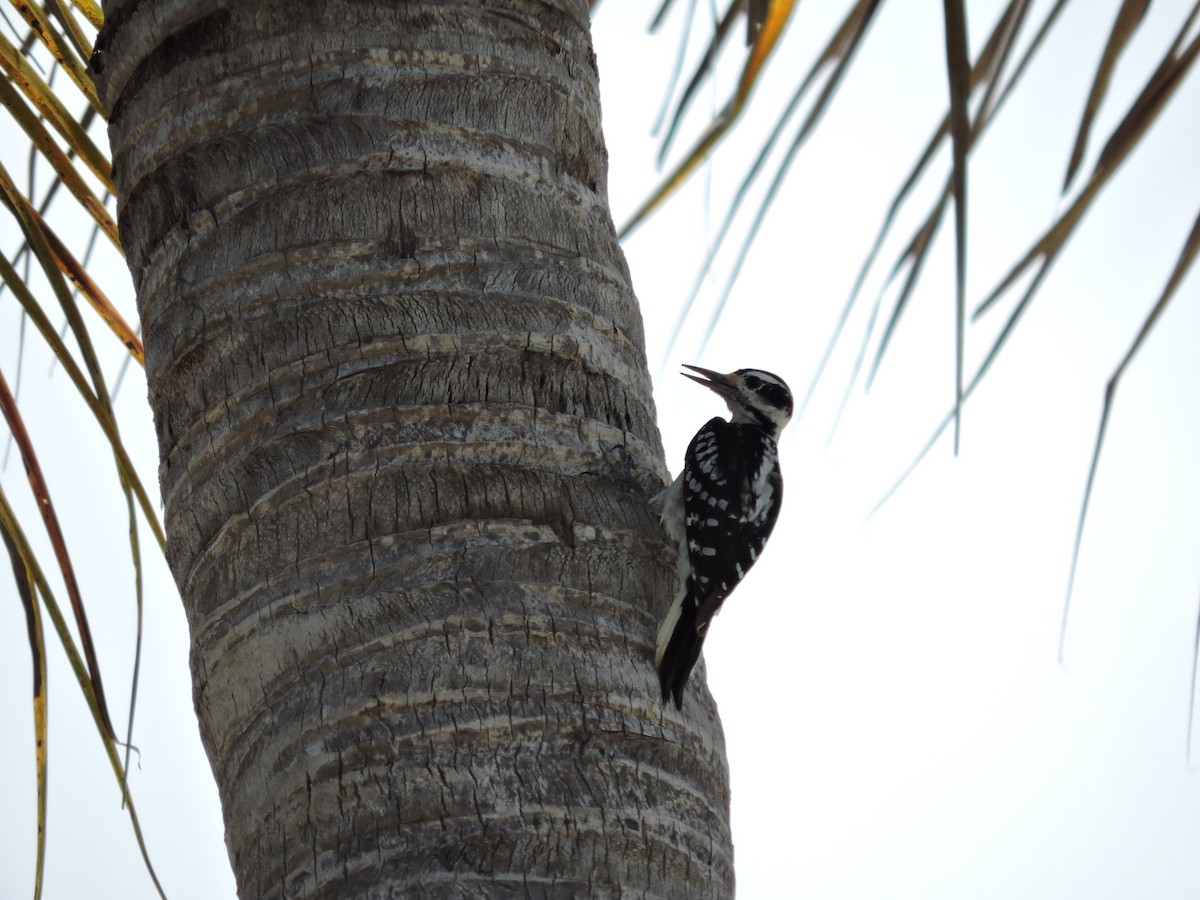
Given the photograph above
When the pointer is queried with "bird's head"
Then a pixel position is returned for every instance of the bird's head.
(752, 395)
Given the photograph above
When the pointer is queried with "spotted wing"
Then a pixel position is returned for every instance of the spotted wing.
(732, 494)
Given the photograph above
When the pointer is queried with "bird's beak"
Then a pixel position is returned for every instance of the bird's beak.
(714, 381)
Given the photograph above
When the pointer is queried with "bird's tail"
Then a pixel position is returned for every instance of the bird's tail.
(679, 643)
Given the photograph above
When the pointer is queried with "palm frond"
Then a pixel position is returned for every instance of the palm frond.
(986, 74)
(835, 59)
(26, 591)
(91, 11)
(777, 16)
(1129, 17)
(19, 73)
(984, 88)
(14, 533)
(48, 149)
(958, 75)
(703, 71)
(69, 50)
(60, 140)
(45, 505)
(1183, 265)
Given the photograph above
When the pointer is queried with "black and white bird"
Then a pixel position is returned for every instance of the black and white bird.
(720, 511)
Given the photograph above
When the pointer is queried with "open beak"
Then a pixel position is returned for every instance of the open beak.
(714, 381)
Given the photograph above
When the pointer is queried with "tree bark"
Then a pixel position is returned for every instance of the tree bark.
(406, 433)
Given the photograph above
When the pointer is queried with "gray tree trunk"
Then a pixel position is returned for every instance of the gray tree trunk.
(407, 436)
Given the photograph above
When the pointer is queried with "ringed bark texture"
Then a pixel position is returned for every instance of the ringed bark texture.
(407, 438)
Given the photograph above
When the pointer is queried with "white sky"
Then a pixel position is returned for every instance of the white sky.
(896, 720)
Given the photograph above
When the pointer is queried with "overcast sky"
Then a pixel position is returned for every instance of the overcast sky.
(897, 722)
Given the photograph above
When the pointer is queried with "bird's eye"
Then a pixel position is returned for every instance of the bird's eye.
(753, 382)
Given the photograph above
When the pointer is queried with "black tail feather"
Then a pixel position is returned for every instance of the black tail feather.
(683, 650)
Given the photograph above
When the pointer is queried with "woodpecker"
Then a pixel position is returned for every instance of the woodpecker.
(720, 511)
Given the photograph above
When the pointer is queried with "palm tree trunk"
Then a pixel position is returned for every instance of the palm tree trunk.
(407, 436)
